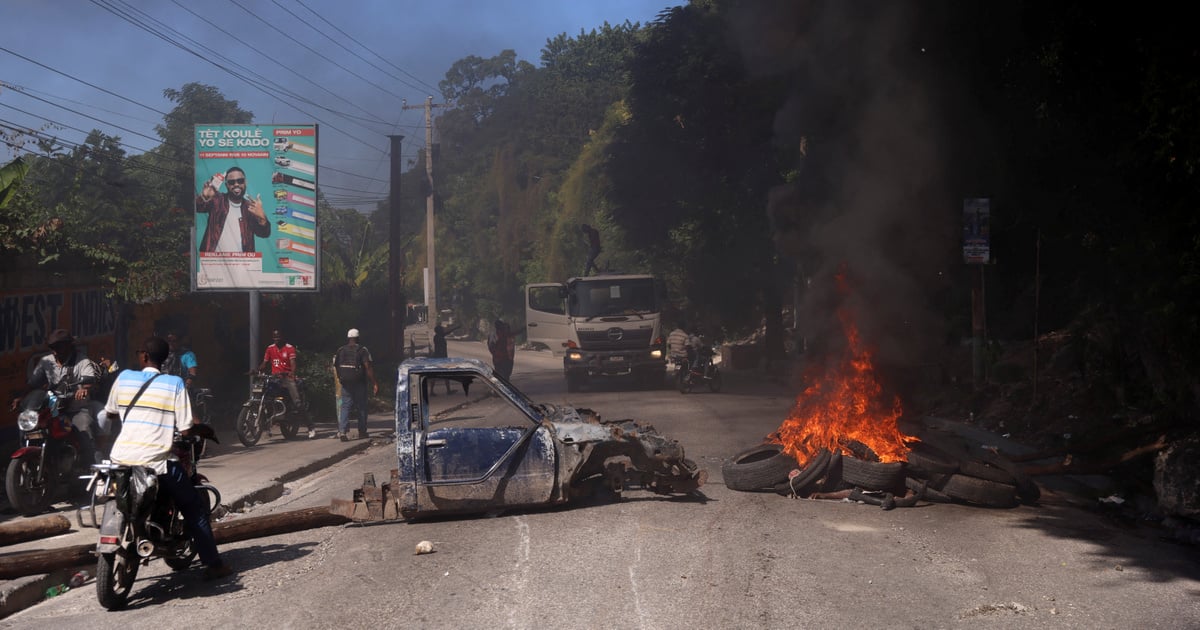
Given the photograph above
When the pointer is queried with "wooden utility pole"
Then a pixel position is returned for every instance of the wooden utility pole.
(396, 302)
(430, 263)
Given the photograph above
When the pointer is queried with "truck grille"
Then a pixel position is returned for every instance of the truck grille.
(598, 340)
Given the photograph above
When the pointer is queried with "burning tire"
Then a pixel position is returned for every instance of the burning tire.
(804, 482)
(758, 469)
(925, 460)
(873, 475)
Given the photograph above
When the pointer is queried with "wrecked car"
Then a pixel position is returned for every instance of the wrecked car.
(468, 441)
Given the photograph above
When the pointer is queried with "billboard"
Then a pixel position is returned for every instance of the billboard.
(255, 208)
(977, 231)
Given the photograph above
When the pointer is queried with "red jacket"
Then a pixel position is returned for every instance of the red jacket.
(218, 210)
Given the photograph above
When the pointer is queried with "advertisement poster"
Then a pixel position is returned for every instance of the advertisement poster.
(976, 231)
(255, 208)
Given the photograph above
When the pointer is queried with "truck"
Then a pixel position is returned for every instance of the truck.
(603, 326)
(495, 449)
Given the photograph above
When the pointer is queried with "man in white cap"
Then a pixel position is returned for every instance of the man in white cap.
(352, 364)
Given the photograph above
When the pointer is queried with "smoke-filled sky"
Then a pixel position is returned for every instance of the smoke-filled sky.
(356, 59)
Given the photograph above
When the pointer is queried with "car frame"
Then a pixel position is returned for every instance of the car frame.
(550, 455)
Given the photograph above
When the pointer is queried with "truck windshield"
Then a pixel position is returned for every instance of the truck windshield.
(600, 297)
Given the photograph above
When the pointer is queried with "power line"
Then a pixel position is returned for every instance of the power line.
(310, 49)
(91, 85)
(351, 38)
(373, 119)
(252, 84)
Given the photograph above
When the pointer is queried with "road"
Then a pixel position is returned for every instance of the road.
(723, 559)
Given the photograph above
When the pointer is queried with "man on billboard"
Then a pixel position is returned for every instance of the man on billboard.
(222, 235)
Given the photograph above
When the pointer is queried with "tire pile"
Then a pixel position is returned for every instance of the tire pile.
(940, 469)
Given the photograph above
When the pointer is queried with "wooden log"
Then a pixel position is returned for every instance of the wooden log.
(44, 561)
(33, 528)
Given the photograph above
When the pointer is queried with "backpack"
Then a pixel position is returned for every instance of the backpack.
(348, 364)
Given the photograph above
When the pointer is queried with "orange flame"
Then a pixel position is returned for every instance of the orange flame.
(844, 405)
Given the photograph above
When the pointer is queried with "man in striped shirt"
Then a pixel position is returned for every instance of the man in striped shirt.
(148, 433)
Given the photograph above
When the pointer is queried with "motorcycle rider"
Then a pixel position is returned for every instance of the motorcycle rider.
(147, 437)
(67, 371)
(284, 362)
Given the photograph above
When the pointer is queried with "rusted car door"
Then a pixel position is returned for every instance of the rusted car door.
(479, 453)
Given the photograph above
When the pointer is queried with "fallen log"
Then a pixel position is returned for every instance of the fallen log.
(46, 560)
(33, 528)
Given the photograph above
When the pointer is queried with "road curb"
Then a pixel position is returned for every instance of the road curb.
(275, 488)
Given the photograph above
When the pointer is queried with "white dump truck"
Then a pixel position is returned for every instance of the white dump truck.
(603, 325)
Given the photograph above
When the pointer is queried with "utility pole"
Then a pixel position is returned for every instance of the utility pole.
(396, 303)
(430, 263)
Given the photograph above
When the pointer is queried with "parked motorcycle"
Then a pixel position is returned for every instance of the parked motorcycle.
(268, 405)
(689, 373)
(202, 405)
(140, 520)
(49, 458)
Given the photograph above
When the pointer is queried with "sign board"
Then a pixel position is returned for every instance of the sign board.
(255, 208)
(976, 231)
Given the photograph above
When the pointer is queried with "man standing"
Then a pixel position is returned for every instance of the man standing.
(222, 234)
(148, 433)
(181, 361)
(68, 372)
(503, 348)
(352, 364)
(284, 362)
(591, 237)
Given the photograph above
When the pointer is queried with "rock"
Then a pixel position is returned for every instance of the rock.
(1177, 478)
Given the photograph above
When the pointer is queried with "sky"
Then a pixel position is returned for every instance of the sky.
(356, 59)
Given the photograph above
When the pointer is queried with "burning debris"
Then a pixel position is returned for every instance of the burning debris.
(842, 440)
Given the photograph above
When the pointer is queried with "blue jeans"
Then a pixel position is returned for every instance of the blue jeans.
(353, 395)
(194, 512)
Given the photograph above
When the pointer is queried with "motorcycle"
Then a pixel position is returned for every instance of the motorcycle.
(140, 520)
(50, 454)
(202, 404)
(689, 373)
(268, 405)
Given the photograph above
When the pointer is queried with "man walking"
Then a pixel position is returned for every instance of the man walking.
(147, 434)
(502, 345)
(352, 364)
(284, 362)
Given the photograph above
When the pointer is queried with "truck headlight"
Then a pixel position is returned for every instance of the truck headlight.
(574, 356)
(27, 420)
(656, 354)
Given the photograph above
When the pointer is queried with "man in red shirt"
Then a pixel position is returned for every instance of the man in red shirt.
(284, 362)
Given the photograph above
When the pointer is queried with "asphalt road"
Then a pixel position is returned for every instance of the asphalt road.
(723, 559)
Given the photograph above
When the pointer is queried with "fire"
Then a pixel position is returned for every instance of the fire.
(843, 405)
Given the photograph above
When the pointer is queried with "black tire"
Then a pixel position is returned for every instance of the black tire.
(115, 574)
(248, 431)
(925, 491)
(290, 426)
(873, 475)
(803, 483)
(714, 383)
(980, 491)
(983, 470)
(25, 493)
(758, 469)
(925, 460)
(683, 381)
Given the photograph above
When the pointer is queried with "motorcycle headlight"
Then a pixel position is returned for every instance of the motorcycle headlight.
(656, 354)
(27, 420)
(574, 356)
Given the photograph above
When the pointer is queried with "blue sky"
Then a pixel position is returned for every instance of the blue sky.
(78, 41)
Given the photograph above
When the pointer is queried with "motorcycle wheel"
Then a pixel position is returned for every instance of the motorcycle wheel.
(714, 383)
(248, 431)
(115, 573)
(25, 494)
(289, 426)
(684, 381)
